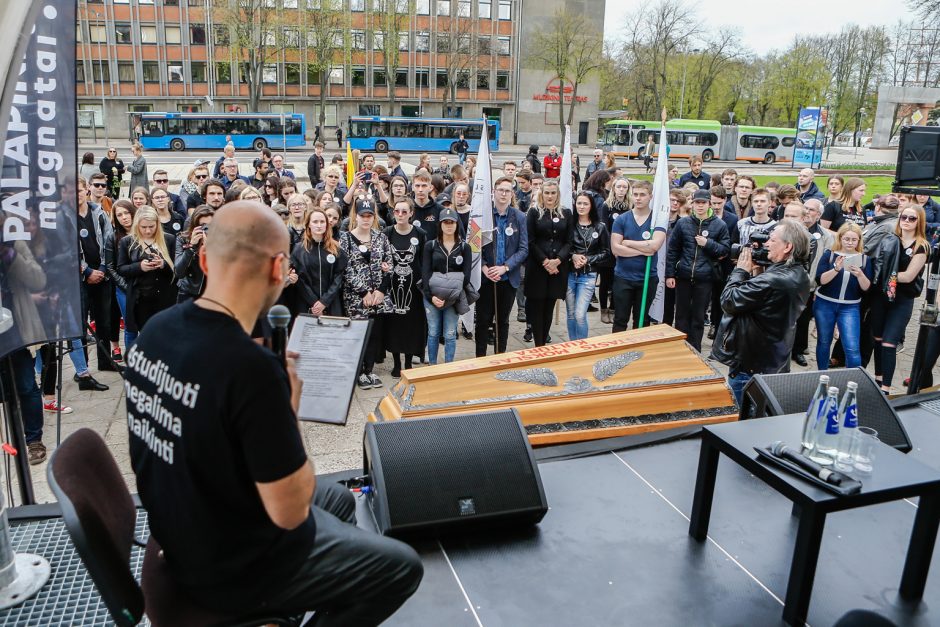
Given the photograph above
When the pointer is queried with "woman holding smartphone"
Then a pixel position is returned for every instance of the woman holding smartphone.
(144, 261)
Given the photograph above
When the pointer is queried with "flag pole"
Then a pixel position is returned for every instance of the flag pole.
(649, 260)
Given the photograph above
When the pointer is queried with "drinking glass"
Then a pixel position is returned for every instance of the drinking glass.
(863, 449)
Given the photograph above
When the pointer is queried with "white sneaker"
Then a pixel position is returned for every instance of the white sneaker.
(376, 382)
(364, 382)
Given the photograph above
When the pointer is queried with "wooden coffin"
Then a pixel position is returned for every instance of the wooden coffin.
(605, 386)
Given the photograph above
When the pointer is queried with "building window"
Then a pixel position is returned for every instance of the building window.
(357, 5)
(410, 111)
(505, 10)
(122, 34)
(379, 6)
(378, 40)
(329, 115)
(174, 73)
(443, 42)
(188, 108)
(423, 7)
(282, 108)
(337, 76)
(403, 42)
(378, 78)
(171, 3)
(443, 7)
(148, 34)
(370, 109)
(139, 108)
(97, 34)
(290, 4)
(463, 8)
(197, 71)
(357, 39)
(502, 80)
(101, 70)
(269, 73)
(503, 45)
(422, 78)
(144, 1)
(79, 71)
(268, 38)
(313, 75)
(401, 78)
(358, 77)
(94, 116)
(485, 9)
(221, 35)
(453, 112)
(485, 45)
(441, 79)
(292, 74)
(338, 39)
(172, 35)
(151, 71)
(197, 35)
(483, 79)
(493, 113)
(422, 42)
(463, 79)
(126, 72)
(292, 37)
(223, 72)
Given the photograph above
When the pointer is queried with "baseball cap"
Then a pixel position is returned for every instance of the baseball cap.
(198, 163)
(364, 205)
(442, 198)
(701, 194)
(448, 214)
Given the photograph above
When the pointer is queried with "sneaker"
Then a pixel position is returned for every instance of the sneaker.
(116, 356)
(37, 452)
(53, 406)
(364, 382)
(527, 336)
(712, 331)
(375, 381)
(900, 347)
(548, 339)
(467, 335)
(520, 317)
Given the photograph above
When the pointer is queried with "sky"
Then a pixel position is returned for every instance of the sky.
(764, 23)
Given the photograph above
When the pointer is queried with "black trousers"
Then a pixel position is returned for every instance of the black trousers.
(801, 338)
(669, 306)
(351, 576)
(115, 334)
(539, 312)
(605, 286)
(375, 347)
(691, 302)
(491, 304)
(628, 296)
(96, 301)
(716, 313)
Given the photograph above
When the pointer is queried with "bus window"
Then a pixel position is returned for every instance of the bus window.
(361, 129)
(788, 141)
(762, 142)
(197, 126)
(153, 128)
(175, 126)
(379, 129)
(293, 126)
(475, 131)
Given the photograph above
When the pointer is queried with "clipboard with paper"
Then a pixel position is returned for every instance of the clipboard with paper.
(330, 351)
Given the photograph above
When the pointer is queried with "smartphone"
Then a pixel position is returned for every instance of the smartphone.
(852, 261)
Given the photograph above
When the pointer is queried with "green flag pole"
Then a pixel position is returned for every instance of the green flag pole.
(646, 286)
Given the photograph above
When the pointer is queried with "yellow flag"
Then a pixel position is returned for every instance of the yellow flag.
(350, 166)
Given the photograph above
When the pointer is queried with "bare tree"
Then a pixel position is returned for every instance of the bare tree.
(718, 54)
(390, 21)
(256, 35)
(462, 52)
(326, 34)
(928, 10)
(900, 59)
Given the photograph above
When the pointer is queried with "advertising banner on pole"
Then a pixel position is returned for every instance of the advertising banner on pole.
(39, 268)
(810, 137)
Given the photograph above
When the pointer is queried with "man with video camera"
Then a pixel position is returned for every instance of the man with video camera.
(762, 300)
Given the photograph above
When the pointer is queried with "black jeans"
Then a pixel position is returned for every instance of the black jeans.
(669, 306)
(19, 368)
(801, 337)
(96, 300)
(888, 323)
(605, 286)
(491, 304)
(539, 312)
(352, 576)
(375, 347)
(691, 302)
(627, 299)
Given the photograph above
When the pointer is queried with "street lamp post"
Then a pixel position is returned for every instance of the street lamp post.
(858, 128)
(685, 71)
(104, 124)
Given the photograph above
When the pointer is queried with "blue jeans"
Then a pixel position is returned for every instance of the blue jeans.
(828, 314)
(577, 301)
(737, 381)
(441, 321)
(77, 355)
(24, 379)
(129, 336)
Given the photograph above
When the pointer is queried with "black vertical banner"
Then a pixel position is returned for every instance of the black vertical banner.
(39, 273)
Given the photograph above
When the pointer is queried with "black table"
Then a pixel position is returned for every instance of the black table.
(896, 476)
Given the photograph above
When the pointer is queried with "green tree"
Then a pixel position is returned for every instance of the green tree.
(326, 28)
(390, 20)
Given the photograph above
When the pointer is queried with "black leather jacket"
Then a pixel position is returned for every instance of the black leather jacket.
(593, 243)
(757, 334)
(685, 259)
(190, 277)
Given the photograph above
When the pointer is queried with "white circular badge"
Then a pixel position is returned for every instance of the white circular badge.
(908, 251)
(509, 231)
(459, 259)
(616, 215)
(417, 223)
(701, 183)
(363, 248)
(555, 220)
(595, 235)
(704, 233)
(414, 241)
(331, 258)
(83, 232)
(646, 235)
(816, 235)
(176, 226)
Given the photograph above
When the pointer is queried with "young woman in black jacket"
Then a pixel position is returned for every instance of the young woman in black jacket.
(144, 260)
(443, 256)
(320, 264)
(189, 276)
(589, 245)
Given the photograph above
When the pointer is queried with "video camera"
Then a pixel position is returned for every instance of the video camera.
(755, 242)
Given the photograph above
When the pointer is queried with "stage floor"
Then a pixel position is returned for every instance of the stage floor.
(614, 549)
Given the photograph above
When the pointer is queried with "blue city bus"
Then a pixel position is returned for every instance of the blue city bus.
(179, 131)
(381, 134)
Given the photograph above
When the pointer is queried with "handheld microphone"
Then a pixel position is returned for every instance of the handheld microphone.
(279, 318)
(779, 449)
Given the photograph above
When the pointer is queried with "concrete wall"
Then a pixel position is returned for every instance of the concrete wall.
(889, 96)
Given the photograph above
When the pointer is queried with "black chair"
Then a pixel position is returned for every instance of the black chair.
(100, 516)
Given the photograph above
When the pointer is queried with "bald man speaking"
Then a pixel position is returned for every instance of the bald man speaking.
(220, 463)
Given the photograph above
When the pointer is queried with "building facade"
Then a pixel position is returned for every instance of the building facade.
(456, 58)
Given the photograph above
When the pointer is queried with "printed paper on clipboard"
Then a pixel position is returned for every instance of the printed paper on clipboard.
(330, 351)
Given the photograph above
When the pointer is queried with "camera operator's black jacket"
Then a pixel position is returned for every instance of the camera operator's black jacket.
(756, 336)
(189, 276)
(687, 260)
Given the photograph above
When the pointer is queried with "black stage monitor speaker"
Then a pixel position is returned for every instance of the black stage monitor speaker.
(918, 159)
(790, 393)
(452, 471)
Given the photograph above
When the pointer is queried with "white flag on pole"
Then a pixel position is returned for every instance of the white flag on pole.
(660, 209)
(480, 231)
(564, 185)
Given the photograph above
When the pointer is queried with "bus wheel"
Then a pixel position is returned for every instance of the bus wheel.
(259, 144)
(453, 148)
(177, 144)
(381, 146)
(707, 155)
(639, 153)
(770, 158)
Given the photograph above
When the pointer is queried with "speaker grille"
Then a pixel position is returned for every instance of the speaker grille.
(453, 467)
(793, 391)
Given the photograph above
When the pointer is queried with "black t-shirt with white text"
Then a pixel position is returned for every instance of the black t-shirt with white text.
(209, 415)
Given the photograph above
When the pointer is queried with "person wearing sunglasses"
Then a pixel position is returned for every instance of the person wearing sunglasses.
(161, 180)
(113, 169)
(193, 187)
(98, 192)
